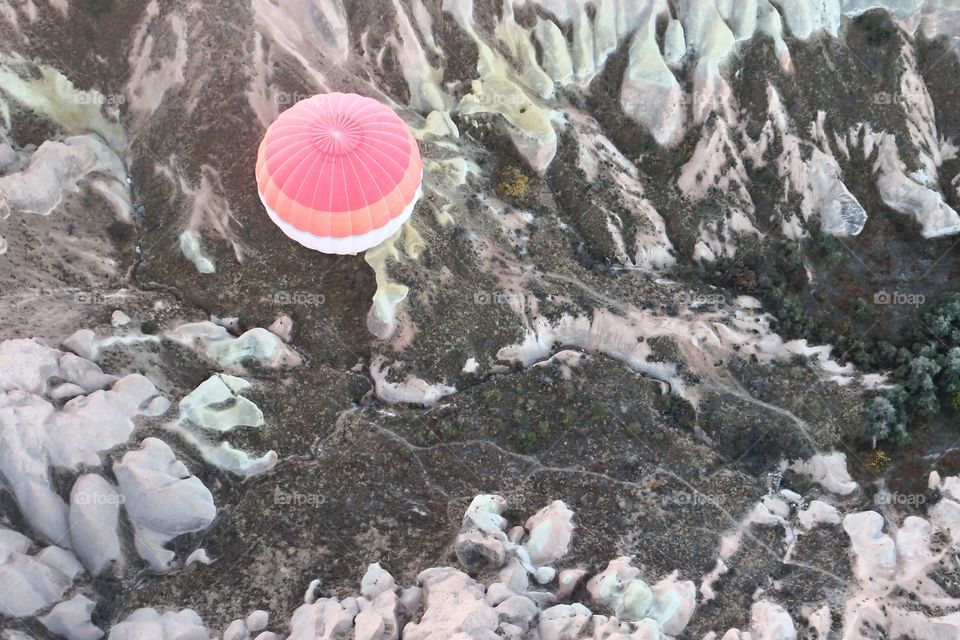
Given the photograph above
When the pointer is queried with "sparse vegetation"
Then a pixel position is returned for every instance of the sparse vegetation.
(827, 248)
(97, 7)
(448, 430)
(527, 440)
(878, 462)
(926, 375)
(924, 367)
(883, 421)
(513, 182)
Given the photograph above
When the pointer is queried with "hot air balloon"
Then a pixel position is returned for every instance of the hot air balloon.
(339, 173)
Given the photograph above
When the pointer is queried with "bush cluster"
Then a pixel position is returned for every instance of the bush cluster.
(925, 374)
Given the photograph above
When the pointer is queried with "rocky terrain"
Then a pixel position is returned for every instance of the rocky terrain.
(677, 300)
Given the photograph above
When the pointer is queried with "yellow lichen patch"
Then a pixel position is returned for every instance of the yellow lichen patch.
(381, 321)
(437, 124)
(878, 462)
(443, 215)
(46, 91)
(449, 173)
(513, 183)
(413, 244)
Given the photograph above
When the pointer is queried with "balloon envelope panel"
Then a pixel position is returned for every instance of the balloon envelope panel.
(339, 173)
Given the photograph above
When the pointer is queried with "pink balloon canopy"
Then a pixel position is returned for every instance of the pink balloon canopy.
(339, 173)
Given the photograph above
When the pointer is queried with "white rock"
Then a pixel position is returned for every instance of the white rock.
(556, 55)
(818, 512)
(147, 623)
(453, 604)
(237, 630)
(71, 619)
(637, 601)
(875, 552)
(412, 390)
(674, 604)
(12, 542)
(376, 581)
(282, 327)
(192, 250)
(607, 588)
(550, 532)
(216, 404)
(770, 621)
(650, 93)
(34, 434)
(518, 610)
(162, 499)
(819, 621)
(119, 319)
(829, 470)
(198, 555)
(368, 625)
(841, 214)
(473, 547)
(27, 365)
(84, 373)
(410, 599)
(7, 156)
(483, 513)
(216, 343)
(567, 582)
(933, 481)
(792, 496)
(913, 541)
(56, 167)
(65, 391)
(94, 516)
(563, 622)
(310, 594)
(471, 365)
(41, 579)
(905, 194)
(257, 620)
(674, 44)
(325, 618)
(83, 343)
(230, 323)
(950, 487)
(497, 593)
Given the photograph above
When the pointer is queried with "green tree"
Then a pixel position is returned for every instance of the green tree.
(882, 421)
(950, 371)
(918, 382)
